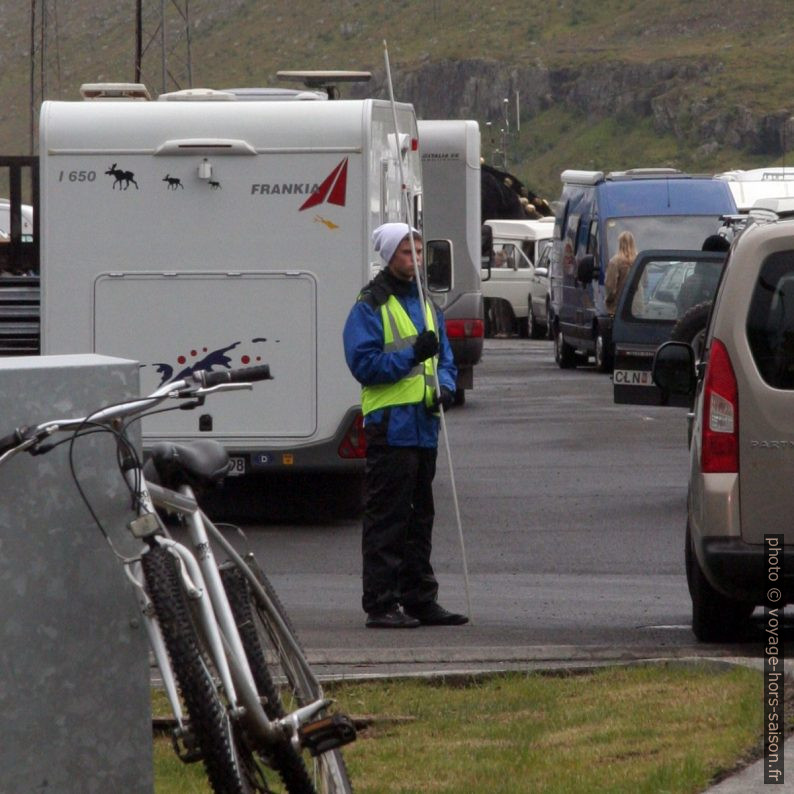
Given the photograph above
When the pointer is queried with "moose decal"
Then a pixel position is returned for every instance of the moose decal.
(173, 182)
(122, 178)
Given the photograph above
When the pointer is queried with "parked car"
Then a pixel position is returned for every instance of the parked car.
(742, 433)
(661, 288)
(661, 207)
(515, 293)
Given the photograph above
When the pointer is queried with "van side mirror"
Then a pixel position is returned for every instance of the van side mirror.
(585, 269)
(673, 369)
(438, 257)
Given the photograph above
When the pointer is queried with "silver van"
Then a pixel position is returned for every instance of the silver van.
(741, 431)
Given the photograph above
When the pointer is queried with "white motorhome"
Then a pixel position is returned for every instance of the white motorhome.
(208, 233)
(516, 282)
(450, 153)
(749, 187)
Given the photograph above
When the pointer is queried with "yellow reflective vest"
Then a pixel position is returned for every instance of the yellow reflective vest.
(399, 332)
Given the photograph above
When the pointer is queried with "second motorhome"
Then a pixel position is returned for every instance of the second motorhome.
(203, 232)
(450, 152)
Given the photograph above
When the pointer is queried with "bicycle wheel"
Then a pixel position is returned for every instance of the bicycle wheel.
(276, 647)
(230, 768)
(283, 758)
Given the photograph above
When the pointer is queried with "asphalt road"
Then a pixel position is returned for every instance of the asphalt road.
(573, 515)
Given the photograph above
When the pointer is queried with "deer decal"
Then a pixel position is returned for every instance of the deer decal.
(122, 178)
(173, 182)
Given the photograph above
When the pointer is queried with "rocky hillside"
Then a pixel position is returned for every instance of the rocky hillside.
(609, 84)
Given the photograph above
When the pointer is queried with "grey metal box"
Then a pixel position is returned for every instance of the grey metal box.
(74, 669)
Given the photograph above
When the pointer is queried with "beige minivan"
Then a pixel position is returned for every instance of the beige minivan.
(741, 483)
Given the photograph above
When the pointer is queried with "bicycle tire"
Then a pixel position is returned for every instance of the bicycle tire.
(330, 768)
(283, 758)
(229, 768)
(288, 665)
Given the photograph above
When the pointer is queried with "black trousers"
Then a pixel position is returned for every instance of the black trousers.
(398, 524)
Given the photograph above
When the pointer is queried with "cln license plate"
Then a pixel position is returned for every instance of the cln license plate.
(239, 465)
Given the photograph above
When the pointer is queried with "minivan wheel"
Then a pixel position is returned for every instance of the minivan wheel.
(564, 354)
(715, 617)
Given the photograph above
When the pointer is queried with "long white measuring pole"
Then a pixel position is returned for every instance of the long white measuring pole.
(420, 287)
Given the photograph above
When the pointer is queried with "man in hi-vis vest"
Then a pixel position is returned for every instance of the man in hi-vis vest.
(392, 344)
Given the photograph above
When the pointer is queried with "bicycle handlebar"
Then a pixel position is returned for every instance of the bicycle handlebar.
(242, 375)
(12, 440)
(26, 437)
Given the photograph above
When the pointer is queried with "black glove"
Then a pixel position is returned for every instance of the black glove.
(425, 346)
(446, 400)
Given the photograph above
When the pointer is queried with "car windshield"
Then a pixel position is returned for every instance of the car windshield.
(662, 231)
(666, 289)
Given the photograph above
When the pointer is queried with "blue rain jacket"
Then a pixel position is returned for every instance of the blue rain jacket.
(409, 425)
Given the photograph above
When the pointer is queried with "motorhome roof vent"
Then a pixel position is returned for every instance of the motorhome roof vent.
(325, 80)
(197, 95)
(573, 176)
(115, 91)
(275, 94)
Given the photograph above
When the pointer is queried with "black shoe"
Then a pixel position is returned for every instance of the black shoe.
(395, 618)
(434, 614)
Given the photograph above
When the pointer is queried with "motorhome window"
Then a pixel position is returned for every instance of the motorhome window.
(664, 289)
(438, 259)
(662, 231)
(770, 321)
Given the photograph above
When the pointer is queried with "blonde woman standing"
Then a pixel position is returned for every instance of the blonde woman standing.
(618, 269)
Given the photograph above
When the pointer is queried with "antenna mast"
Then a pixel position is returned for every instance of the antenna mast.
(162, 44)
(45, 59)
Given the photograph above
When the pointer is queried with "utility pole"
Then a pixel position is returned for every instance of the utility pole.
(162, 44)
(45, 60)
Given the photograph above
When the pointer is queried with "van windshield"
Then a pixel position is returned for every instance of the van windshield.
(685, 232)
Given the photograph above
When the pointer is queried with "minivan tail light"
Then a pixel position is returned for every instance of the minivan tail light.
(720, 447)
(354, 444)
(465, 329)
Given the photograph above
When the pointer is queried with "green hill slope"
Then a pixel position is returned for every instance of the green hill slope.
(609, 84)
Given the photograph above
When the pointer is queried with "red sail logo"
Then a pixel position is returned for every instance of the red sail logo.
(333, 189)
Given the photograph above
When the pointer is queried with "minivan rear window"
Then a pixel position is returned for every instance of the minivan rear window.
(661, 231)
(666, 289)
(770, 321)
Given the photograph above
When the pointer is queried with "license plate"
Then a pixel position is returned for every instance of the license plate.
(239, 465)
(632, 377)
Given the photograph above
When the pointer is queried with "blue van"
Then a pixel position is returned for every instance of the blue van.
(662, 207)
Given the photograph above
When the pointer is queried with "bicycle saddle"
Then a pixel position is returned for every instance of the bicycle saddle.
(200, 464)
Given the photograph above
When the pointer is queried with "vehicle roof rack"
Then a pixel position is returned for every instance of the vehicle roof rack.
(326, 80)
(115, 91)
(275, 94)
(648, 173)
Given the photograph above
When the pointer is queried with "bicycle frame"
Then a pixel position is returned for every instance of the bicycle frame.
(213, 620)
(203, 585)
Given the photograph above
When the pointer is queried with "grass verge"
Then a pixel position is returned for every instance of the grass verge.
(654, 728)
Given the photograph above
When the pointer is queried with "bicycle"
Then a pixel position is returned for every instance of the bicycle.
(215, 631)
